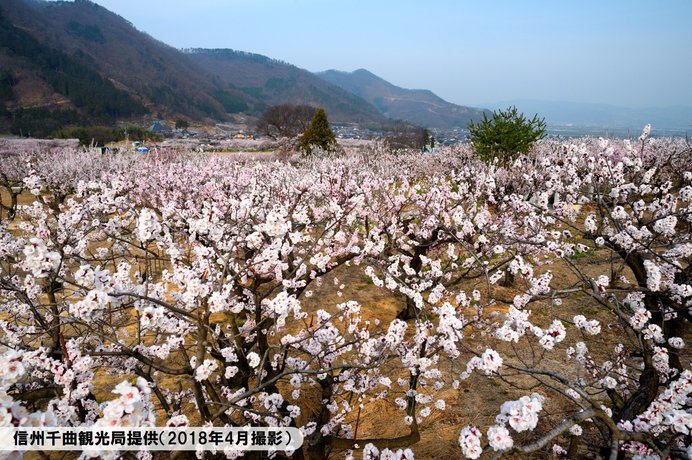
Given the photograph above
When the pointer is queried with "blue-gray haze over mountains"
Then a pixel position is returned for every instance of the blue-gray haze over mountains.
(629, 53)
(110, 70)
(603, 116)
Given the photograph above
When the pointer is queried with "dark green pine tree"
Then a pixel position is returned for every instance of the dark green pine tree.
(506, 136)
(319, 134)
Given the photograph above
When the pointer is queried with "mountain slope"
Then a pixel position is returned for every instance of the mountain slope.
(63, 74)
(158, 76)
(421, 107)
(115, 61)
(276, 82)
(75, 62)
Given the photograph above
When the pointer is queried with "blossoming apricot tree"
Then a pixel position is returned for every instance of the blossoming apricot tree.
(192, 282)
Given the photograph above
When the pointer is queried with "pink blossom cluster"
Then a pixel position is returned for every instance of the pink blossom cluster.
(591, 327)
(370, 452)
(668, 410)
(38, 259)
(522, 414)
(470, 442)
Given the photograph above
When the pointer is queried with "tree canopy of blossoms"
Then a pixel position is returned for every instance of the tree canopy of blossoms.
(189, 284)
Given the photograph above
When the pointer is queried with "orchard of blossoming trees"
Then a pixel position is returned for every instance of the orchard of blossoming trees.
(189, 289)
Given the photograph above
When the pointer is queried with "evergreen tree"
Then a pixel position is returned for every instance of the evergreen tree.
(506, 136)
(319, 134)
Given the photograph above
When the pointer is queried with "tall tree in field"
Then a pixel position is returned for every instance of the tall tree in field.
(319, 134)
(285, 120)
(506, 136)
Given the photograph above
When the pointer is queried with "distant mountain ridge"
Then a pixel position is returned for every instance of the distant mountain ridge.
(276, 82)
(80, 48)
(76, 62)
(73, 62)
(421, 107)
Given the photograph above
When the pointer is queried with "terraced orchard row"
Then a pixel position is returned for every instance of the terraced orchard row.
(370, 300)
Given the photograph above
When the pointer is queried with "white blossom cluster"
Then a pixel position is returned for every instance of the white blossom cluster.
(38, 259)
(667, 410)
(230, 278)
(148, 225)
(470, 442)
(522, 414)
(370, 452)
(591, 327)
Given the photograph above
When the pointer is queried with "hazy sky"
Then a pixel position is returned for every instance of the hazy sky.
(631, 53)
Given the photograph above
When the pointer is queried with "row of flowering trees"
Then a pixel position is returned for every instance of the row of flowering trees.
(192, 281)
